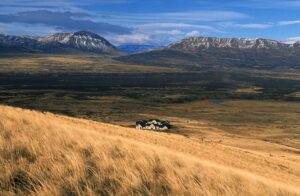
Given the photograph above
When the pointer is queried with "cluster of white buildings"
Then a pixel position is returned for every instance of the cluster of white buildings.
(153, 124)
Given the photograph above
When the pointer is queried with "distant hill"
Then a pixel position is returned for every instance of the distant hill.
(137, 48)
(81, 41)
(203, 52)
(47, 154)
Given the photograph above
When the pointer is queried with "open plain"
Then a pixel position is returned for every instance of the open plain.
(234, 131)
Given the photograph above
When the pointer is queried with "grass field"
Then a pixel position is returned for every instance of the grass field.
(71, 64)
(235, 131)
(46, 154)
(197, 104)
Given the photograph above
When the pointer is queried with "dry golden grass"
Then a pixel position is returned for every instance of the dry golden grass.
(72, 63)
(275, 123)
(47, 154)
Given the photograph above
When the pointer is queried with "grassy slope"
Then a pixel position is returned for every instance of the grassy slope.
(51, 155)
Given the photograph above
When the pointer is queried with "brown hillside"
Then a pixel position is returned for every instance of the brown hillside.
(47, 154)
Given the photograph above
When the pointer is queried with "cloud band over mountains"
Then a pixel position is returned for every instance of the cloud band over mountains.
(153, 22)
(65, 21)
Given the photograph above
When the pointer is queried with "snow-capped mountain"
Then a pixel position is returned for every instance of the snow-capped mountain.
(297, 45)
(81, 41)
(11, 39)
(206, 52)
(57, 37)
(26, 44)
(236, 43)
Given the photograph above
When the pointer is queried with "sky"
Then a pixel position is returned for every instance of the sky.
(155, 22)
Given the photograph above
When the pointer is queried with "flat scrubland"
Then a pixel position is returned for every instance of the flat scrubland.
(241, 123)
(80, 63)
(209, 106)
(47, 154)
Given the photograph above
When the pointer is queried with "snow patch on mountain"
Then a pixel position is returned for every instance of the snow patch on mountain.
(239, 43)
(83, 40)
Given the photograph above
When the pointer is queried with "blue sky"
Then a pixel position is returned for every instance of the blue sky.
(157, 22)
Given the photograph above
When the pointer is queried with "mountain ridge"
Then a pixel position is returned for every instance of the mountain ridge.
(196, 53)
(80, 41)
(241, 43)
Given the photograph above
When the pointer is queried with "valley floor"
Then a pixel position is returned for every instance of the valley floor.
(234, 131)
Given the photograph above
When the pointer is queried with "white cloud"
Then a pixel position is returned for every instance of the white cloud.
(170, 17)
(246, 26)
(16, 6)
(289, 22)
(149, 26)
(66, 21)
(193, 34)
(136, 38)
(171, 32)
(254, 26)
(163, 33)
(26, 29)
(204, 15)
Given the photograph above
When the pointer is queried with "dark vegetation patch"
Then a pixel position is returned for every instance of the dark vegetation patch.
(91, 169)
(197, 179)
(160, 186)
(107, 186)
(191, 86)
(4, 133)
(216, 57)
(92, 95)
(97, 178)
(117, 153)
(88, 152)
(33, 91)
(69, 190)
(158, 169)
(152, 188)
(17, 153)
(102, 182)
(21, 182)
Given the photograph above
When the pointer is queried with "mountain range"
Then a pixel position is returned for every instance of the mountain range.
(192, 53)
(81, 41)
(193, 43)
(202, 52)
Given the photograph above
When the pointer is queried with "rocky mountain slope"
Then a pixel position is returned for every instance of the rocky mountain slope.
(82, 41)
(203, 52)
(26, 44)
(192, 43)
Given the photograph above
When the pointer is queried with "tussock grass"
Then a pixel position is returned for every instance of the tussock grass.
(47, 154)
